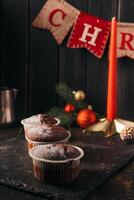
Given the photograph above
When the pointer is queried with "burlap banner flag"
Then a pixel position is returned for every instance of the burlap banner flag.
(90, 32)
(57, 16)
(125, 40)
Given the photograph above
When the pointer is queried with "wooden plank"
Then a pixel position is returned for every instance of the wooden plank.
(14, 50)
(43, 65)
(72, 62)
(37, 75)
(126, 68)
(0, 40)
(97, 68)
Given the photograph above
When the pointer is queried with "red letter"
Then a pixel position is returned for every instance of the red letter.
(52, 15)
(125, 42)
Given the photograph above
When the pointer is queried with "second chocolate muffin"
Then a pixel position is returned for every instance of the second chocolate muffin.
(47, 133)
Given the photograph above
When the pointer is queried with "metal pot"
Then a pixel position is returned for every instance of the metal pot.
(7, 102)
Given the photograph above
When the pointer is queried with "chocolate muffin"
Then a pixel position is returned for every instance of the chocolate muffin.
(37, 120)
(57, 152)
(56, 163)
(47, 133)
(40, 119)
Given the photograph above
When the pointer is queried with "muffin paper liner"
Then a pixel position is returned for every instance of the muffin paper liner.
(56, 173)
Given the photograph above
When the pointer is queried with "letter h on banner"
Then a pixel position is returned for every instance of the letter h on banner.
(90, 32)
(93, 36)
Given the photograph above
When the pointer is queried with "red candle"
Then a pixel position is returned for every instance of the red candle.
(112, 73)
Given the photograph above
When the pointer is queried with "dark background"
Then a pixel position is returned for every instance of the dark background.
(32, 62)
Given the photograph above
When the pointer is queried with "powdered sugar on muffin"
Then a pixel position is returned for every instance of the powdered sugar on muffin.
(47, 133)
(40, 119)
(56, 152)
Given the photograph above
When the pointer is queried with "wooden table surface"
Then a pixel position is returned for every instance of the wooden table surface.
(118, 187)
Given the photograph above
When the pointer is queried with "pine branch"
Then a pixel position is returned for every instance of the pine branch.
(67, 95)
(64, 117)
(65, 92)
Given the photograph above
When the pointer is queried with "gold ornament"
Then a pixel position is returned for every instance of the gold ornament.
(79, 95)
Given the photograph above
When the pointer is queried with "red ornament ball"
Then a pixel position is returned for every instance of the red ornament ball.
(69, 108)
(86, 117)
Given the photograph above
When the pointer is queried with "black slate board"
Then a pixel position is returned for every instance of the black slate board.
(103, 157)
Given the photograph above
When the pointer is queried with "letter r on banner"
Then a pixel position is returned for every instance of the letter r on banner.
(125, 39)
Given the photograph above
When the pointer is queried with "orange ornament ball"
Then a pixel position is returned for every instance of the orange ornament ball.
(69, 108)
(86, 117)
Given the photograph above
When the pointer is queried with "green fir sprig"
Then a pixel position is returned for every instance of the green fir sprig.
(65, 92)
(67, 95)
(65, 119)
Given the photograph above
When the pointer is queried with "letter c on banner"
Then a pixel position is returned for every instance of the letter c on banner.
(51, 16)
